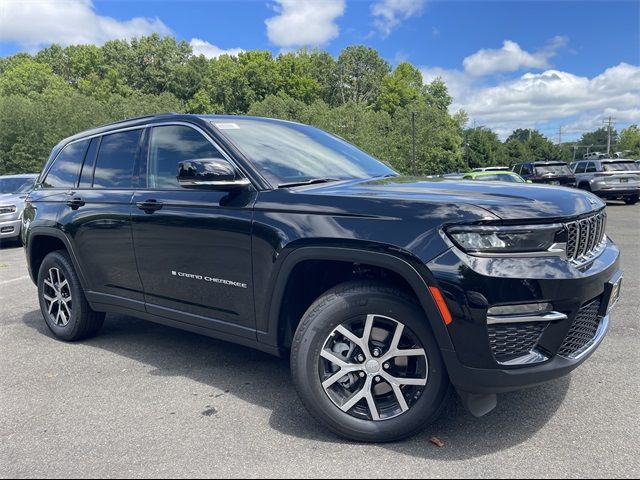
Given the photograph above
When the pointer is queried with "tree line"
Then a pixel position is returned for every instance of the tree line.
(57, 92)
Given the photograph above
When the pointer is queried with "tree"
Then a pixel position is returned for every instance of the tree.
(360, 73)
(629, 142)
(596, 140)
(482, 148)
(30, 78)
(401, 88)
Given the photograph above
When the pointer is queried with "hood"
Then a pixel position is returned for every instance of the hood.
(12, 198)
(506, 201)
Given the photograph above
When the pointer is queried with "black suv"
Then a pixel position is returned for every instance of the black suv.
(384, 290)
(551, 173)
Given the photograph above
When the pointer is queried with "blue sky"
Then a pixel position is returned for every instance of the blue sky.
(508, 63)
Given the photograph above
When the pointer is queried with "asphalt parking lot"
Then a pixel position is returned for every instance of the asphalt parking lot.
(143, 400)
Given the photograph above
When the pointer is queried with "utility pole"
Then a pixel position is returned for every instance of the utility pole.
(560, 135)
(413, 133)
(609, 123)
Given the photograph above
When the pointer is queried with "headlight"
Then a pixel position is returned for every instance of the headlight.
(506, 240)
(7, 209)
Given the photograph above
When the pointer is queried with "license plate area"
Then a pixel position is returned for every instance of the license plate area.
(612, 293)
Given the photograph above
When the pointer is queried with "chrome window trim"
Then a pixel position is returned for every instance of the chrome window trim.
(241, 170)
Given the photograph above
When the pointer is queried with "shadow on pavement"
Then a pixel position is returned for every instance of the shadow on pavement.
(265, 381)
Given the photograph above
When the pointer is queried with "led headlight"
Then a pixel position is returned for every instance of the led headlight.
(506, 239)
(4, 209)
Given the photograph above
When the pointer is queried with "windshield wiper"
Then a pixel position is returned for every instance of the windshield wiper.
(308, 182)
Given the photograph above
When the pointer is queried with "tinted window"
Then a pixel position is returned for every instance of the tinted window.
(86, 174)
(527, 170)
(290, 152)
(555, 169)
(66, 167)
(591, 167)
(581, 167)
(116, 157)
(619, 166)
(170, 145)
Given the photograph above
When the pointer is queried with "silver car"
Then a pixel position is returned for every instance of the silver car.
(613, 179)
(13, 191)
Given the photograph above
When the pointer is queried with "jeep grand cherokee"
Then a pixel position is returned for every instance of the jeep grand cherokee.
(385, 291)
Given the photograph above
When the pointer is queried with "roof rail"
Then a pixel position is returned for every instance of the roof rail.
(153, 115)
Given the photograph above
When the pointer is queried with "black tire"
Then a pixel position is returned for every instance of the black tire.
(342, 304)
(585, 186)
(83, 322)
(632, 200)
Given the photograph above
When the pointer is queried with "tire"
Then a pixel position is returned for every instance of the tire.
(632, 200)
(77, 320)
(352, 304)
(585, 186)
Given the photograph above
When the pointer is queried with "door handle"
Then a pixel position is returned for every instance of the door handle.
(149, 206)
(75, 203)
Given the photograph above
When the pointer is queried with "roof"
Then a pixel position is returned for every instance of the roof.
(490, 172)
(21, 175)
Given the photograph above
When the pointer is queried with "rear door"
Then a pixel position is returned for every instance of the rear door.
(97, 217)
(193, 247)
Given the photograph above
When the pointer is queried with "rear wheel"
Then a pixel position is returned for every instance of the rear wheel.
(366, 364)
(62, 302)
(632, 200)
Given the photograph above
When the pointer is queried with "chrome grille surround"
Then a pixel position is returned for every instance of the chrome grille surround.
(586, 238)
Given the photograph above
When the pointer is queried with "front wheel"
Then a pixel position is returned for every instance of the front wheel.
(366, 364)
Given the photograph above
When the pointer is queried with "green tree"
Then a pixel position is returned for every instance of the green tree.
(360, 72)
(401, 88)
(482, 148)
(629, 143)
(30, 78)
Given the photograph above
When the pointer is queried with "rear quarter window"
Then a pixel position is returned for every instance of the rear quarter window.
(66, 167)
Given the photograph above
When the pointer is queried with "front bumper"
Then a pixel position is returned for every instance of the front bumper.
(10, 228)
(472, 286)
(617, 191)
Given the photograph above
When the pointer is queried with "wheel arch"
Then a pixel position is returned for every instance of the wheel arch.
(43, 240)
(417, 277)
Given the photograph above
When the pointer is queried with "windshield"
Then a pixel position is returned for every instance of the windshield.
(16, 184)
(553, 169)
(500, 177)
(620, 166)
(290, 152)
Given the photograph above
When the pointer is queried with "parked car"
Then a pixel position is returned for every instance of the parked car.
(13, 191)
(495, 176)
(383, 290)
(453, 176)
(552, 173)
(490, 169)
(613, 179)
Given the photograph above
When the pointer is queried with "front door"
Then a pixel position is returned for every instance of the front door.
(193, 247)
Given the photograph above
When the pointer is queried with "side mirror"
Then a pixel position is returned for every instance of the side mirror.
(210, 173)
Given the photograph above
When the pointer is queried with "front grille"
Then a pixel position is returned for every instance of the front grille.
(583, 329)
(585, 236)
(514, 340)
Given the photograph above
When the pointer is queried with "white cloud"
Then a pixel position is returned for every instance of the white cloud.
(389, 14)
(34, 24)
(510, 58)
(304, 22)
(202, 47)
(536, 99)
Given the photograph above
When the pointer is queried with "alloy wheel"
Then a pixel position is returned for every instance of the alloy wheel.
(373, 368)
(57, 297)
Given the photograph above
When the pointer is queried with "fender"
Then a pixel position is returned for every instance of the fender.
(41, 231)
(417, 275)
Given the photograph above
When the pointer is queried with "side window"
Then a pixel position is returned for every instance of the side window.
(591, 167)
(116, 157)
(66, 168)
(86, 175)
(517, 169)
(581, 167)
(169, 145)
(526, 169)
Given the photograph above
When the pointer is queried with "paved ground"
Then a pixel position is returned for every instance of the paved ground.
(143, 400)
